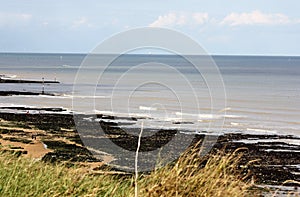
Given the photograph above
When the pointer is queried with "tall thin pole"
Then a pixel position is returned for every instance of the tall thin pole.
(43, 90)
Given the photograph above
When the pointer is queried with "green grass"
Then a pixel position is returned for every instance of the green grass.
(186, 177)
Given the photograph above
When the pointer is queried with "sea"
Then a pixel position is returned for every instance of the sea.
(197, 94)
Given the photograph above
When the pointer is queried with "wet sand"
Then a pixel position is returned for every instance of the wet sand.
(35, 150)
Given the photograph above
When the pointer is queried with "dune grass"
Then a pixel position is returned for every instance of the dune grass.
(216, 175)
(188, 176)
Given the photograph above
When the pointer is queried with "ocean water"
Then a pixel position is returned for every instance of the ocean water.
(258, 94)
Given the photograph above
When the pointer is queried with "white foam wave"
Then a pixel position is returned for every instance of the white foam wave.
(254, 141)
(7, 76)
(31, 109)
(171, 117)
(68, 66)
(186, 114)
(225, 109)
(84, 96)
(50, 96)
(207, 116)
(63, 96)
(121, 114)
(261, 130)
(147, 108)
(14, 105)
(233, 116)
(235, 124)
(42, 96)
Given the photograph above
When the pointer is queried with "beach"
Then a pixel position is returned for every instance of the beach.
(46, 115)
(53, 138)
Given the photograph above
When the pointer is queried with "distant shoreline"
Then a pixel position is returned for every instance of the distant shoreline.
(2, 80)
(25, 93)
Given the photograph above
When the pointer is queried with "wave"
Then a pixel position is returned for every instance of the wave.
(41, 96)
(254, 141)
(208, 116)
(235, 124)
(61, 96)
(122, 114)
(225, 109)
(147, 108)
(14, 105)
(7, 76)
(13, 108)
(233, 116)
(171, 118)
(68, 66)
(262, 130)
(83, 96)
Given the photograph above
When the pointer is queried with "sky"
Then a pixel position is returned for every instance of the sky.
(223, 27)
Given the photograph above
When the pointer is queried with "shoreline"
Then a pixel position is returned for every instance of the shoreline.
(24, 93)
(277, 161)
(2, 80)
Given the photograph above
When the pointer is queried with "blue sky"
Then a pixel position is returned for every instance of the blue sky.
(269, 27)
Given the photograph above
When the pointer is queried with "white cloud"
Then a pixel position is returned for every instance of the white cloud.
(255, 17)
(83, 21)
(13, 19)
(180, 19)
(200, 18)
(165, 20)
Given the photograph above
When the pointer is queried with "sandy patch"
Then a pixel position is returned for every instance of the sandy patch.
(36, 150)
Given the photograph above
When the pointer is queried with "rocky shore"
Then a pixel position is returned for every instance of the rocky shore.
(276, 160)
(3, 80)
(11, 93)
(7, 79)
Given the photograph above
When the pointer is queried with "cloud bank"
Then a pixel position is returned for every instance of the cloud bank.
(255, 17)
(180, 19)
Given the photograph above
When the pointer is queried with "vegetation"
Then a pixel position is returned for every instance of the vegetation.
(188, 176)
(219, 175)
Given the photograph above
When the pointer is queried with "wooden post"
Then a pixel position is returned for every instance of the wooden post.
(43, 90)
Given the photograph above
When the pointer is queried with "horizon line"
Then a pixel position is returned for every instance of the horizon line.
(161, 54)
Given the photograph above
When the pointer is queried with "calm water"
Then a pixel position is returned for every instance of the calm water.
(262, 93)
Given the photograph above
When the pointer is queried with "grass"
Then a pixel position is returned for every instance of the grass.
(217, 175)
(25, 177)
(188, 176)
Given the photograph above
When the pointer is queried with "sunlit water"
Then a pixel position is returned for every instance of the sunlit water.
(262, 93)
